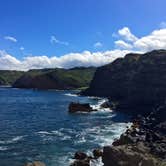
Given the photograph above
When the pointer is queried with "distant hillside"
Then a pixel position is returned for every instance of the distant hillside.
(8, 77)
(56, 78)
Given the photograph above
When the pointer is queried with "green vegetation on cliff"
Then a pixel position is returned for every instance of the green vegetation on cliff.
(56, 78)
(8, 77)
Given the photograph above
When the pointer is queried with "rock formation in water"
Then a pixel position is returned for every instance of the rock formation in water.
(78, 107)
(35, 163)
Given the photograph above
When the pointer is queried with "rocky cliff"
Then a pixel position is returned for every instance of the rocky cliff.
(136, 82)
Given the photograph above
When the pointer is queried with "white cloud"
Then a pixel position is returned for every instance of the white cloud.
(85, 58)
(22, 48)
(98, 44)
(126, 34)
(122, 44)
(128, 43)
(10, 38)
(155, 40)
(54, 40)
(8, 62)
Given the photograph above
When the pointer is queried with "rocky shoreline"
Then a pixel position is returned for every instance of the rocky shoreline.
(143, 144)
(135, 85)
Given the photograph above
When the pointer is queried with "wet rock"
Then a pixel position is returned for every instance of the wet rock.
(108, 104)
(77, 107)
(35, 163)
(81, 159)
(80, 156)
(81, 163)
(124, 139)
(126, 155)
(97, 153)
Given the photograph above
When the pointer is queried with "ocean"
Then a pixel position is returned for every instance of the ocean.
(36, 125)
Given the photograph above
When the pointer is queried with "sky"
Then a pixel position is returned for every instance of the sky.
(69, 33)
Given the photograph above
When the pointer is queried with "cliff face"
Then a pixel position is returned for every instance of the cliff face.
(56, 78)
(135, 81)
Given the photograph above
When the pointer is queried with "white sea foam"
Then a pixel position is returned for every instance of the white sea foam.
(13, 140)
(54, 132)
(98, 107)
(44, 132)
(97, 162)
(57, 133)
(71, 94)
(3, 148)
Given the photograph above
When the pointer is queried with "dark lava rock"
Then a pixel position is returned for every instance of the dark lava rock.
(97, 153)
(81, 159)
(81, 163)
(77, 107)
(128, 155)
(136, 82)
(35, 163)
(80, 156)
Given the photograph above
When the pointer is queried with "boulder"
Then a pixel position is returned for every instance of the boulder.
(81, 163)
(126, 155)
(97, 153)
(80, 156)
(35, 163)
(77, 107)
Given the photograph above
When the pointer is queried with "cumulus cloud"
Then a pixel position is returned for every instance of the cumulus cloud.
(10, 38)
(8, 62)
(70, 60)
(122, 44)
(98, 44)
(54, 40)
(128, 42)
(155, 40)
(126, 34)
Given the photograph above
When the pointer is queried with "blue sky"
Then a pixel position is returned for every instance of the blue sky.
(58, 27)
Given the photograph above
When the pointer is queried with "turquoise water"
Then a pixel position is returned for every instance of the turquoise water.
(36, 125)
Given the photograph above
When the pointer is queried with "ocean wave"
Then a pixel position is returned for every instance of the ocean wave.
(54, 132)
(13, 140)
(44, 132)
(71, 94)
(3, 148)
(98, 107)
(96, 162)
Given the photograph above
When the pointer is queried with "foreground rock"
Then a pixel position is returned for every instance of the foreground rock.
(77, 107)
(82, 159)
(129, 155)
(143, 144)
(35, 163)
